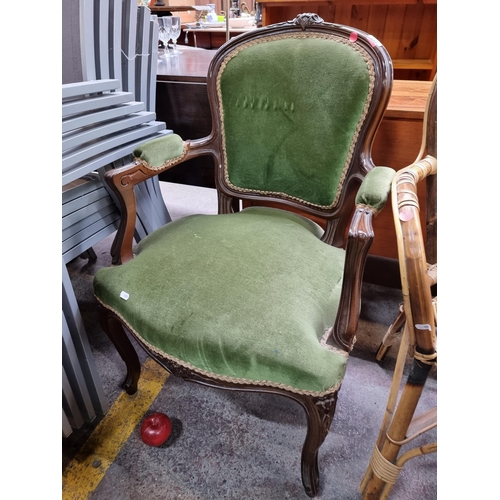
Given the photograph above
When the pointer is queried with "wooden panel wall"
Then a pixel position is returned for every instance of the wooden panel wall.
(407, 28)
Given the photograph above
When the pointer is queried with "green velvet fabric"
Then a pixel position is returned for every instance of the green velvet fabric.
(376, 187)
(303, 115)
(246, 295)
(157, 151)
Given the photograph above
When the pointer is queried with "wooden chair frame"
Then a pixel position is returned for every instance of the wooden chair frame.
(319, 409)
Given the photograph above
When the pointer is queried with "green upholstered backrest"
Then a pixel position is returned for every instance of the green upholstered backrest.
(291, 107)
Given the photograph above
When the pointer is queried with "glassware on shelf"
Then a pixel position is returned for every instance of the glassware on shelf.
(175, 32)
(165, 32)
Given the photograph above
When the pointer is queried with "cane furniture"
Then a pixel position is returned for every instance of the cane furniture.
(262, 299)
(417, 319)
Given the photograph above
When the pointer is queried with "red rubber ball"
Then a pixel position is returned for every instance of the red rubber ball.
(156, 429)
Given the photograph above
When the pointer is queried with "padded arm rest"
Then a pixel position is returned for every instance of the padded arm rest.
(158, 154)
(376, 187)
(151, 158)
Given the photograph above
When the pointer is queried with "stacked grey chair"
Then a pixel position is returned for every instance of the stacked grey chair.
(109, 59)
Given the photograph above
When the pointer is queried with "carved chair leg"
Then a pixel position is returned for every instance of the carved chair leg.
(319, 413)
(114, 330)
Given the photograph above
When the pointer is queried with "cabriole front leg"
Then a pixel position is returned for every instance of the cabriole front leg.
(319, 412)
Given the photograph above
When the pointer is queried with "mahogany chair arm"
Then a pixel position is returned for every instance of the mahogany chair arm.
(359, 241)
(150, 159)
(370, 200)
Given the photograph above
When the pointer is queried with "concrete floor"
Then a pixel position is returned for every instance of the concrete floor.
(233, 445)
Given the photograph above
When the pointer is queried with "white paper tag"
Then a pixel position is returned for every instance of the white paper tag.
(124, 295)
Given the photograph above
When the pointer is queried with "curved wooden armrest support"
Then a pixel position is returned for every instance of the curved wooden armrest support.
(359, 240)
(122, 181)
(412, 257)
(406, 180)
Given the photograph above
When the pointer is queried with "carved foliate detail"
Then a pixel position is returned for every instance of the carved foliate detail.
(326, 409)
(307, 19)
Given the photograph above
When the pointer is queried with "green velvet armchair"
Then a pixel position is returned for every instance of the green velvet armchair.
(261, 298)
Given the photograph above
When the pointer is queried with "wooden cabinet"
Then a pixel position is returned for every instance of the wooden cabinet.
(407, 28)
(211, 38)
(397, 144)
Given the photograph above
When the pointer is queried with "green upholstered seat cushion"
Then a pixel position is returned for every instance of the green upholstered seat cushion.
(246, 296)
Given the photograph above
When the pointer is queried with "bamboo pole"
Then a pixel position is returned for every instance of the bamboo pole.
(419, 334)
